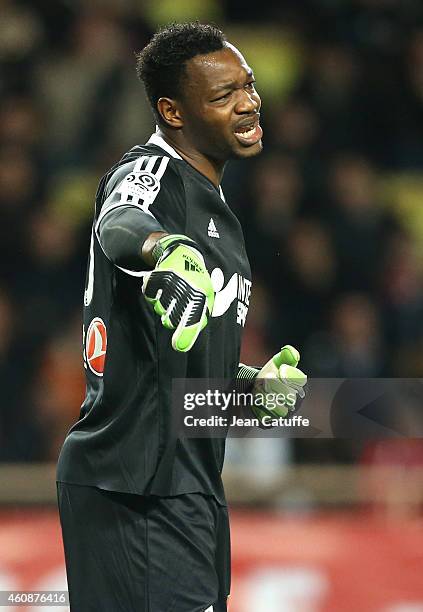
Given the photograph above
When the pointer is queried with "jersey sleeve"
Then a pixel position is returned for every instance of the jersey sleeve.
(141, 197)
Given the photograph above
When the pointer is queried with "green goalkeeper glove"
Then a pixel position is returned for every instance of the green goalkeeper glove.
(180, 289)
(279, 384)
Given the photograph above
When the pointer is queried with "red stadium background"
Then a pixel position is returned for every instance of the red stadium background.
(322, 563)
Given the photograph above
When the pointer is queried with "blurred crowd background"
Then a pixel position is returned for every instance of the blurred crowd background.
(332, 210)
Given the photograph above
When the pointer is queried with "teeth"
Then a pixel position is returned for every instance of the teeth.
(247, 134)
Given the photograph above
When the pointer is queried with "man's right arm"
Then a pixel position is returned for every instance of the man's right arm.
(179, 288)
(128, 236)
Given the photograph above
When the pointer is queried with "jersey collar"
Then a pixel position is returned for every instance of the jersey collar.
(160, 142)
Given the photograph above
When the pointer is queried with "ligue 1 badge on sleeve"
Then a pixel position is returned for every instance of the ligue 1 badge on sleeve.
(139, 186)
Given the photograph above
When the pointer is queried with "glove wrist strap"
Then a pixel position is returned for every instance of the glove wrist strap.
(246, 376)
(172, 240)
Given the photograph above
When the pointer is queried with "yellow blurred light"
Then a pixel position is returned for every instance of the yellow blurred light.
(404, 195)
(72, 196)
(275, 56)
(160, 12)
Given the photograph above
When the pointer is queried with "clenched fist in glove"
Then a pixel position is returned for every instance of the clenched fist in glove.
(180, 289)
(278, 385)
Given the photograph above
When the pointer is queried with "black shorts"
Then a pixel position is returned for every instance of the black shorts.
(130, 553)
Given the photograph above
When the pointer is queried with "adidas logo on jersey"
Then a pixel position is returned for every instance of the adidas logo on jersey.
(212, 230)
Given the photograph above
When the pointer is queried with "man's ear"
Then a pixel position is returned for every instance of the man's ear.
(170, 112)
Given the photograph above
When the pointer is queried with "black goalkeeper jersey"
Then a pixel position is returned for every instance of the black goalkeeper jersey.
(124, 440)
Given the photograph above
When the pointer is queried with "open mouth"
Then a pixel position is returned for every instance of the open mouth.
(249, 134)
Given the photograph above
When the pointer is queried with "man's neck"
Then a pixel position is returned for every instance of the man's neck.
(211, 169)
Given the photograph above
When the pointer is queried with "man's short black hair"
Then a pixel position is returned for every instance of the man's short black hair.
(161, 64)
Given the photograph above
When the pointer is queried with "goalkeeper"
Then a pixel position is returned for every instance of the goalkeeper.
(143, 512)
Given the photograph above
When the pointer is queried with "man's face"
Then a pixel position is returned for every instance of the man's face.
(220, 106)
